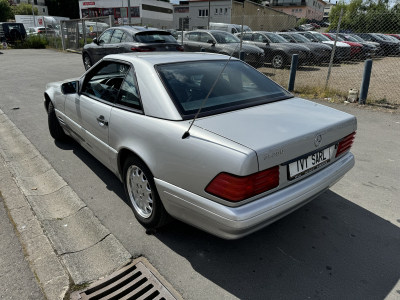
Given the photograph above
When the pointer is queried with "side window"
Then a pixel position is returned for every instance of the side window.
(123, 37)
(205, 37)
(247, 37)
(193, 36)
(129, 94)
(116, 37)
(258, 38)
(105, 80)
(105, 37)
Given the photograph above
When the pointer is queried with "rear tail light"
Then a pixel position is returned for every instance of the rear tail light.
(143, 49)
(345, 144)
(180, 48)
(237, 188)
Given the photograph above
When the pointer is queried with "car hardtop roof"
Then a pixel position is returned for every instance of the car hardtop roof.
(208, 30)
(155, 58)
(137, 29)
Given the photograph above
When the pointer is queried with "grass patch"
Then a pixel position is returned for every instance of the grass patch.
(319, 92)
(32, 42)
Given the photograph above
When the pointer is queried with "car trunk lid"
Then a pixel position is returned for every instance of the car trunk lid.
(281, 131)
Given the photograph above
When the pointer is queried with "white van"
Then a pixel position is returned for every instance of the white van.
(231, 28)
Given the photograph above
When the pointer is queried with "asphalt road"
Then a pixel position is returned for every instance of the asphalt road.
(17, 281)
(343, 245)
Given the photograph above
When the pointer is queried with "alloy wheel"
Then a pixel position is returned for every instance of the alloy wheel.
(87, 62)
(139, 191)
(277, 61)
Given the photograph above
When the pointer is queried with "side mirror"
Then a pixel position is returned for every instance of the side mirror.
(70, 87)
(211, 42)
(266, 41)
(95, 41)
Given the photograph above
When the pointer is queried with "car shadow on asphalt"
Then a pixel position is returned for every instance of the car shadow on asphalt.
(110, 180)
(330, 248)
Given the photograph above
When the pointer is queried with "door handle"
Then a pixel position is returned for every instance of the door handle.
(101, 121)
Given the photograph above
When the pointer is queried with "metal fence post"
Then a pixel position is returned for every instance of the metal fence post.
(84, 31)
(365, 81)
(241, 55)
(333, 50)
(293, 69)
(62, 35)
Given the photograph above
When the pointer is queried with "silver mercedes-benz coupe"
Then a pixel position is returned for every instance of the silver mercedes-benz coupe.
(255, 153)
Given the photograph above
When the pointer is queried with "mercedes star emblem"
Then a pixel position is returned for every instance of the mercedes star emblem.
(317, 140)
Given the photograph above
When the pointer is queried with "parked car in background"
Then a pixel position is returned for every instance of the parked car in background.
(255, 154)
(173, 32)
(396, 36)
(388, 47)
(342, 52)
(40, 30)
(373, 48)
(231, 28)
(12, 32)
(126, 39)
(216, 41)
(319, 52)
(316, 26)
(380, 51)
(278, 51)
(357, 50)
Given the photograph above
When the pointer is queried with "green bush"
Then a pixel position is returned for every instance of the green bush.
(302, 21)
(35, 42)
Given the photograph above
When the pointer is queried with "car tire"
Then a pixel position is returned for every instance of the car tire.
(56, 131)
(142, 195)
(87, 61)
(278, 60)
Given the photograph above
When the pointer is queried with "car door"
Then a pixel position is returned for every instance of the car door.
(98, 50)
(114, 46)
(206, 42)
(91, 109)
(264, 43)
(191, 42)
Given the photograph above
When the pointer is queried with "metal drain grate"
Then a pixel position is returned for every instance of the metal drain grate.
(133, 282)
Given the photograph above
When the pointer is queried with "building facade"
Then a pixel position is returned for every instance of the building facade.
(39, 4)
(327, 9)
(146, 12)
(196, 14)
(310, 9)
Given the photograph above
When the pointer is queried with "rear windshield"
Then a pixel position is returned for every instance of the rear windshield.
(18, 27)
(239, 86)
(155, 37)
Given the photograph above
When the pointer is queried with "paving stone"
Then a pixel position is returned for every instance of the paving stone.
(57, 205)
(76, 232)
(38, 247)
(57, 288)
(12, 195)
(97, 261)
(31, 167)
(43, 184)
(27, 225)
(47, 268)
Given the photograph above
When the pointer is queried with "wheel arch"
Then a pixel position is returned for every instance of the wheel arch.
(122, 155)
(47, 101)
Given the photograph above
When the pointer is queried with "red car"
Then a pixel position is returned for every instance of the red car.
(355, 47)
(316, 26)
(397, 36)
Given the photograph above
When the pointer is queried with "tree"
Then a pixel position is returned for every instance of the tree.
(24, 9)
(5, 11)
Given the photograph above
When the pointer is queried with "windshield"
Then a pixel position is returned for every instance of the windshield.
(225, 37)
(377, 37)
(245, 28)
(239, 86)
(357, 38)
(309, 36)
(339, 39)
(350, 38)
(274, 38)
(155, 37)
(299, 38)
(320, 37)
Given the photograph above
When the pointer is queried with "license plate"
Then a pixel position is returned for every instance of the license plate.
(308, 164)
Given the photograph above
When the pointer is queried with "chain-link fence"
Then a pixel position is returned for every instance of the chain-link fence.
(326, 59)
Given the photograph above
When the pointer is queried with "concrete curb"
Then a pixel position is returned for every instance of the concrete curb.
(62, 237)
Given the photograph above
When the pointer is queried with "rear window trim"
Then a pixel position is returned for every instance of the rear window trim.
(221, 110)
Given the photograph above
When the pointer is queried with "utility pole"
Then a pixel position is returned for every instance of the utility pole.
(209, 14)
(129, 12)
(33, 14)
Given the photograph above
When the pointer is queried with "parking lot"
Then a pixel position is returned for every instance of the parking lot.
(343, 245)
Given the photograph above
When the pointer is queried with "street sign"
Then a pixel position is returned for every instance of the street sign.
(91, 28)
(4, 45)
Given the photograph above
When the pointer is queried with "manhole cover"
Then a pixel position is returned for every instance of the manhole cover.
(134, 281)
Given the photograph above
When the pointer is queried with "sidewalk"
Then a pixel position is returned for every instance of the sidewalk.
(16, 278)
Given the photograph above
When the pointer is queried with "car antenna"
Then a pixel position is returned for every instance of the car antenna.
(186, 134)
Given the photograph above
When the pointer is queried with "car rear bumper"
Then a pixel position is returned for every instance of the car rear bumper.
(236, 222)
